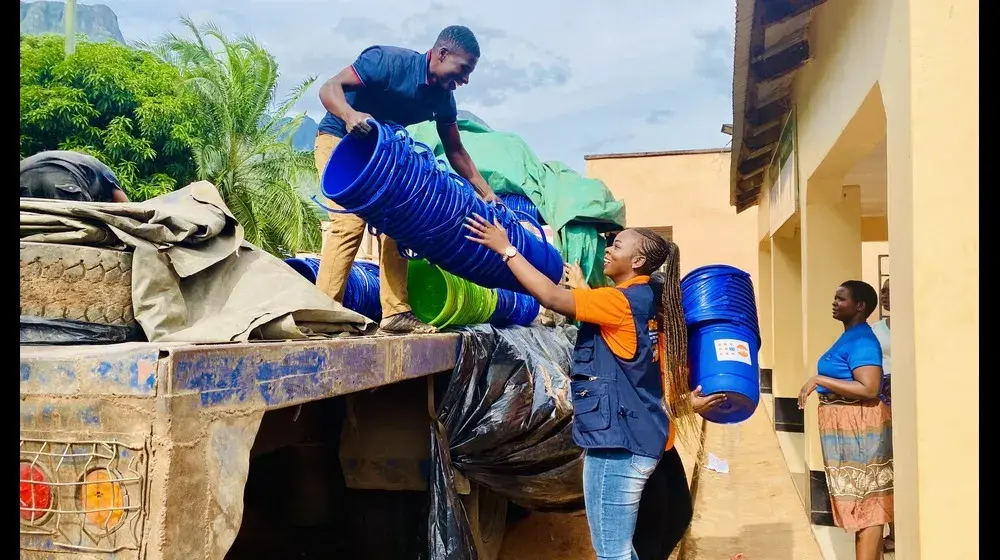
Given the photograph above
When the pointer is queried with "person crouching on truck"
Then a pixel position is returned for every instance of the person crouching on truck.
(66, 175)
(402, 87)
(666, 506)
(619, 417)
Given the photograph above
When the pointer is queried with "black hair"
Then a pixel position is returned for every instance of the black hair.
(654, 248)
(672, 331)
(458, 38)
(862, 292)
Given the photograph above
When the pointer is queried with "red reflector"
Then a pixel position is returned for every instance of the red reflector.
(36, 499)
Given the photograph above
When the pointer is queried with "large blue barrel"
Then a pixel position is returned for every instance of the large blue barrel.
(723, 339)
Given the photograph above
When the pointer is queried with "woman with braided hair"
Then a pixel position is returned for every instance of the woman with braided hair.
(619, 413)
(666, 507)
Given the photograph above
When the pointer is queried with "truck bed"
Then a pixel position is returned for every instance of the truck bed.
(272, 374)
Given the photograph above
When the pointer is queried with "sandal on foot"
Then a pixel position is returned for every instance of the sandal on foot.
(405, 323)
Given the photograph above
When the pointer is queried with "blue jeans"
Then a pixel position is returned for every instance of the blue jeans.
(613, 480)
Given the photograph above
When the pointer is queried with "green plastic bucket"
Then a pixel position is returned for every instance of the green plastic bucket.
(457, 295)
(429, 290)
(442, 299)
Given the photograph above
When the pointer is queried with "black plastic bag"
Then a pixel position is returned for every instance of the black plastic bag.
(450, 537)
(42, 331)
(507, 417)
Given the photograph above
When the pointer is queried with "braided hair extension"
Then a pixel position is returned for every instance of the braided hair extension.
(672, 330)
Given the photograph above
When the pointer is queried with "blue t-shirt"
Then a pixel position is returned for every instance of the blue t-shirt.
(395, 91)
(857, 347)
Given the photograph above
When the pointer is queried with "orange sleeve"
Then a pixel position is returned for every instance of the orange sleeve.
(609, 309)
(670, 438)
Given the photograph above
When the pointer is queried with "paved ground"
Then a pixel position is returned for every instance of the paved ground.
(548, 536)
(754, 510)
(562, 536)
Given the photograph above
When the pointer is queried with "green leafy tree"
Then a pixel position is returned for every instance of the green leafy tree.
(123, 106)
(245, 145)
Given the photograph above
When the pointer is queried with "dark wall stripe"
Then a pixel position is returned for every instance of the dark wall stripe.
(787, 415)
(820, 508)
(766, 374)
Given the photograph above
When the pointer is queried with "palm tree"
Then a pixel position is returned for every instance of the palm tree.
(245, 145)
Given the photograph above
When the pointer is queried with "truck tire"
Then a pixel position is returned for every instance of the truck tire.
(77, 282)
(487, 513)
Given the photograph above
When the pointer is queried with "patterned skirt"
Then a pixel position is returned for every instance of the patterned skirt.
(856, 438)
(885, 393)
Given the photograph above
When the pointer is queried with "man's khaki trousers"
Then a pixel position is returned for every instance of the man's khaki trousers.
(341, 243)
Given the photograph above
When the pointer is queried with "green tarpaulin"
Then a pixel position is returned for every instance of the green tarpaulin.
(577, 208)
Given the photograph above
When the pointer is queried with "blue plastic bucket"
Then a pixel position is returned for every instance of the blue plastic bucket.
(723, 339)
(398, 187)
(724, 360)
(349, 162)
(361, 292)
(308, 267)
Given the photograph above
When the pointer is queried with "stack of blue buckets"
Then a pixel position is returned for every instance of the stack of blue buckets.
(361, 294)
(723, 339)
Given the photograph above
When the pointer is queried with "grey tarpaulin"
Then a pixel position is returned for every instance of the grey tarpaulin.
(194, 277)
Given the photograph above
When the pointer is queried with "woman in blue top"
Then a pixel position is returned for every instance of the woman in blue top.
(855, 425)
(619, 416)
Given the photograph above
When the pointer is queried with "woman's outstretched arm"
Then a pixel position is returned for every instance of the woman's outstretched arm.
(549, 295)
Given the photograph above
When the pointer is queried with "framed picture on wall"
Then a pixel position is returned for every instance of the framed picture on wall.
(883, 277)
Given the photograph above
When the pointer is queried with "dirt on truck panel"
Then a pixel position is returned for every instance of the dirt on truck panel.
(167, 429)
(226, 373)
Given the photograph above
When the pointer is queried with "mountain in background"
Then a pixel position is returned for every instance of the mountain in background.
(467, 115)
(98, 22)
(305, 137)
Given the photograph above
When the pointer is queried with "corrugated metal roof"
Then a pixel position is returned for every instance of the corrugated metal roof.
(771, 44)
(624, 155)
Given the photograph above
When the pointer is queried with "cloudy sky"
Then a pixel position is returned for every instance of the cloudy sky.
(572, 77)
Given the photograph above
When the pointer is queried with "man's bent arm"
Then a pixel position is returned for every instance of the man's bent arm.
(461, 161)
(331, 94)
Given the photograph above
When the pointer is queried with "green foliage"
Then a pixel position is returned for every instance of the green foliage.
(123, 106)
(239, 147)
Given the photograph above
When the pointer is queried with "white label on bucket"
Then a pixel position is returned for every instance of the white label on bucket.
(732, 350)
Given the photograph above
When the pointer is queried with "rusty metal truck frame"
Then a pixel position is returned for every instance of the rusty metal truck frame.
(142, 450)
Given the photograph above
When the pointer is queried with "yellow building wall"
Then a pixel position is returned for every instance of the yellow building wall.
(906, 72)
(690, 192)
(847, 40)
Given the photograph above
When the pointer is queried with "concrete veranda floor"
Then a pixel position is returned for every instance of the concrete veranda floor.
(754, 510)
(836, 544)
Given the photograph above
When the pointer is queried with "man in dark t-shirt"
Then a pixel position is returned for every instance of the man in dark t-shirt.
(66, 175)
(402, 87)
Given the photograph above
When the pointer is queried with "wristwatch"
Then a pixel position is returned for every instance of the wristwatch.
(509, 253)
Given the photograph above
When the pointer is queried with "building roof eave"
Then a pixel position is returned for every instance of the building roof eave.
(771, 45)
(741, 71)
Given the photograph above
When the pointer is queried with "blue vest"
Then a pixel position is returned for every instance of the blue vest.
(618, 404)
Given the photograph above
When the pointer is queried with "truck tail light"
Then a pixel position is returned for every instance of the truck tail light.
(36, 493)
(104, 499)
